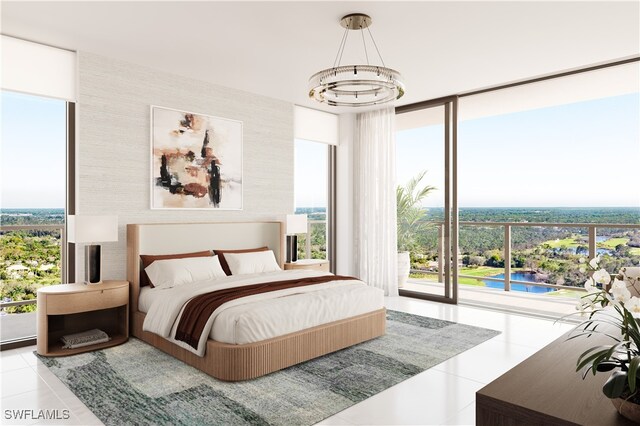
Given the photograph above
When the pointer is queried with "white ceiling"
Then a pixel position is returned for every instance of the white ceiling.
(272, 48)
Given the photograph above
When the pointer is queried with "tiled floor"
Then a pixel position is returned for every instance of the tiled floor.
(444, 394)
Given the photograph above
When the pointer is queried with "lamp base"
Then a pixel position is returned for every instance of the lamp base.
(292, 248)
(93, 264)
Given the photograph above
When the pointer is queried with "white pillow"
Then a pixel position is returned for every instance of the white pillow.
(251, 263)
(173, 272)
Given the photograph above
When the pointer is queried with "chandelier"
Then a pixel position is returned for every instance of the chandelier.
(356, 85)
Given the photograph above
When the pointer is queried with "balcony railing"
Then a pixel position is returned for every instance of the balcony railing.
(507, 249)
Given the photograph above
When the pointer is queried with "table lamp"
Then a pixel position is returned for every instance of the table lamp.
(91, 230)
(296, 224)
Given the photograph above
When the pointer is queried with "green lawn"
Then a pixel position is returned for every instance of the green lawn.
(481, 271)
(635, 251)
(611, 243)
(564, 243)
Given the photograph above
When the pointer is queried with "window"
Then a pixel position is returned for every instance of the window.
(544, 175)
(557, 152)
(33, 200)
(312, 196)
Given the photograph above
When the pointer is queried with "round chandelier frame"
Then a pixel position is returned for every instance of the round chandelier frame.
(356, 85)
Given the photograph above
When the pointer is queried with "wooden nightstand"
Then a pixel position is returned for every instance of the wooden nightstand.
(314, 264)
(71, 308)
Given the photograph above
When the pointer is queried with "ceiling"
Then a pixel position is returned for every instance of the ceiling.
(272, 48)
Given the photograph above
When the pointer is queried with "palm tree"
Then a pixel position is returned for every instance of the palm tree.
(410, 212)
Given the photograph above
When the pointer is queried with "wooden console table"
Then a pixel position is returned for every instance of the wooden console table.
(545, 389)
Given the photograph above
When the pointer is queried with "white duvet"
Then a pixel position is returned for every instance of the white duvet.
(261, 316)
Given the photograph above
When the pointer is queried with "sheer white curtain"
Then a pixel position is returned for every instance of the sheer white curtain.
(375, 200)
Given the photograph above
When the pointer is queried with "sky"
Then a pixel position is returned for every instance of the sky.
(33, 151)
(584, 154)
(310, 184)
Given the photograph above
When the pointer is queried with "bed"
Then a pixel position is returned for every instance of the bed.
(244, 350)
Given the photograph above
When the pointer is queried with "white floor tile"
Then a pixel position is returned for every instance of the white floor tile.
(12, 362)
(425, 399)
(15, 382)
(32, 407)
(464, 417)
(487, 361)
(31, 358)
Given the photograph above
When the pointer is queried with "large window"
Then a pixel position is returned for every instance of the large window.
(33, 199)
(546, 175)
(312, 196)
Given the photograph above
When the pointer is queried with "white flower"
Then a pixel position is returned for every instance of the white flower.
(620, 293)
(633, 305)
(594, 262)
(582, 269)
(601, 276)
(617, 284)
(582, 260)
(590, 286)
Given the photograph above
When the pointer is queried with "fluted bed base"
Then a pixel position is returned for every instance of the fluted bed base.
(241, 362)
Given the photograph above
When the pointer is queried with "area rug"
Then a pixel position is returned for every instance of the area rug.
(136, 384)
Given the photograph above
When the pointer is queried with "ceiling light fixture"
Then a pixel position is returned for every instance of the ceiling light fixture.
(356, 85)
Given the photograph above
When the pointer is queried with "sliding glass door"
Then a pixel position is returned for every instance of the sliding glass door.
(427, 200)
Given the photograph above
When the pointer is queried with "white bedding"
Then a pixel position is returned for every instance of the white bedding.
(262, 316)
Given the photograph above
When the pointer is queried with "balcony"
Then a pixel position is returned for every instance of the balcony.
(32, 258)
(544, 279)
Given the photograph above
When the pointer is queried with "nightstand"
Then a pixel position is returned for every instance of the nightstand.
(71, 308)
(313, 264)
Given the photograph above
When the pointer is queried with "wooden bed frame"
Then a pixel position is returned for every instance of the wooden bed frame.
(238, 362)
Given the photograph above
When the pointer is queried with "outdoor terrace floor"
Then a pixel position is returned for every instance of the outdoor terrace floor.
(542, 304)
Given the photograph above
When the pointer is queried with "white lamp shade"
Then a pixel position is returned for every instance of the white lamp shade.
(92, 229)
(296, 224)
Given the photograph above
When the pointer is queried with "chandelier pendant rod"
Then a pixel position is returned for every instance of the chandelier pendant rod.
(366, 55)
(376, 46)
(343, 43)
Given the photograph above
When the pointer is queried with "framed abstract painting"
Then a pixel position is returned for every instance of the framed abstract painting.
(196, 161)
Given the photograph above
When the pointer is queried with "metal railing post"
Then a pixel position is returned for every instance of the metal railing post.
(507, 257)
(440, 253)
(593, 248)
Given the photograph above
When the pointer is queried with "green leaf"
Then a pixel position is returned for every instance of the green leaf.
(633, 372)
(595, 348)
(614, 387)
(588, 359)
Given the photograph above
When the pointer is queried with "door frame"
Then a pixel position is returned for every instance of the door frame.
(451, 231)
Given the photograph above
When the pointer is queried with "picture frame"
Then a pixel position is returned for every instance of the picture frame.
(196, 161)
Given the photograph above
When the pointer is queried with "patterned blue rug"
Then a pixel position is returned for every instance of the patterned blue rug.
(136, 384)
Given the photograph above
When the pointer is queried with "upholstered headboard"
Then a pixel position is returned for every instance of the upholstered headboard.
(170, 238)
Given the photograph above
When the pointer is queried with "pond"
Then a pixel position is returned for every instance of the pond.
(518, 276)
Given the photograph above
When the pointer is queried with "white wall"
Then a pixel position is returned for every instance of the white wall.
(113, 147)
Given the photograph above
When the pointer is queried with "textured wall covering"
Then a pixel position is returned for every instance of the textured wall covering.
(113, 147)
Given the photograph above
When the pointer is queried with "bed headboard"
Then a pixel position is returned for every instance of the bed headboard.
(169, 238)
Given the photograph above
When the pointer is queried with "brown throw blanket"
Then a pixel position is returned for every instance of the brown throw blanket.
(197, 311)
